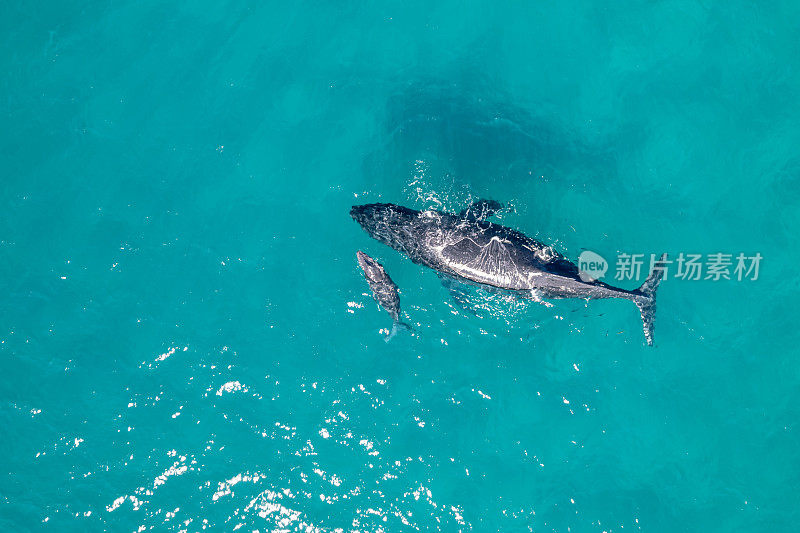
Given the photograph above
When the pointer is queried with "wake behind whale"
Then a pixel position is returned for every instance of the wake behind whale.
(468, 248)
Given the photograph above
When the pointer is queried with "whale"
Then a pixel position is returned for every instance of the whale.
(384, 290)
(467, 247)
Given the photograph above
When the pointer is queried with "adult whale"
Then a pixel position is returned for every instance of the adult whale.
(467, 247)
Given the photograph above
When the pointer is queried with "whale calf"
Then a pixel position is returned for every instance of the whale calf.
(383, 289)
(468, 248)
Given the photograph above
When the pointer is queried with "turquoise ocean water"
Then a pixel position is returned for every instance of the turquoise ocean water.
(187, 342)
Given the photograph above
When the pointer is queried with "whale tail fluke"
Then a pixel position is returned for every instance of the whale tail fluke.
(397, 326)
(645, 298)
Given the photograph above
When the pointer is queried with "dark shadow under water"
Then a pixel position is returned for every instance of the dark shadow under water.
(469, 135)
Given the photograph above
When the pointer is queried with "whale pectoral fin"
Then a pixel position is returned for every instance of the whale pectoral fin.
(459, 295)
(481, 209)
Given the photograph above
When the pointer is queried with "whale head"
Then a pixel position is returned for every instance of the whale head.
(372, 269)
(387, 223)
